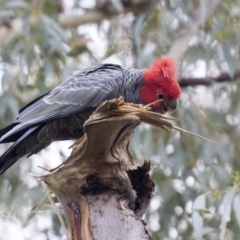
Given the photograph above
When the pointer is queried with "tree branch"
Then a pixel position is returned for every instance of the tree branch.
(10, 31)
(104, 10)
(224, 77)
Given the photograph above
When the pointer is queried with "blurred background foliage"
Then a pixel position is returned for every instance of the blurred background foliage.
(42, 42)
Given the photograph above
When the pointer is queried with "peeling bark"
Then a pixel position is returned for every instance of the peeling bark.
(102, 193)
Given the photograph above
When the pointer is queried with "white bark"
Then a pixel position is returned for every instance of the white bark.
(7, 34)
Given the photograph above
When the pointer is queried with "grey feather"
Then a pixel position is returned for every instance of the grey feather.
(61, 113)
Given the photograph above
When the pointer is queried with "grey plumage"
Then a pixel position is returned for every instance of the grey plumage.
(61, 113)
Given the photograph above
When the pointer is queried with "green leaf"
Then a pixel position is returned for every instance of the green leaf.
(227, 205)
(54, 28)
(207, 230)
(227, 48)
(203, 211)
(17, 4)
(197, 219)
(236, 208)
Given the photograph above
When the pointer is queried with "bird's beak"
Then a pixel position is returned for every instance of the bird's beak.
(170, 106)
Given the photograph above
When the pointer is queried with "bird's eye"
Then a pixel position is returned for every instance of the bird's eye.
(160, 96)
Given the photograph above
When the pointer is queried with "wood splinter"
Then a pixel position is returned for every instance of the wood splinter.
(103, 194)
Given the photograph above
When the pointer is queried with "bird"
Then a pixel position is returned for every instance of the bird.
(60, 114)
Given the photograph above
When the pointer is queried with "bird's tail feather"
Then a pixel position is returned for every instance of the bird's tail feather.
(24, 145)
(5, 130)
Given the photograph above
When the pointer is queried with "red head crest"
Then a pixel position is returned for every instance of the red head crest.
(160, 80)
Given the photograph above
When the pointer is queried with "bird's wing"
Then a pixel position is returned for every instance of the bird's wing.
(86, 89)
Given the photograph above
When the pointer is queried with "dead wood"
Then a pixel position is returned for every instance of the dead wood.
(103, 194)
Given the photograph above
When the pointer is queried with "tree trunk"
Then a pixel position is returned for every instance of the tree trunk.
(103, 194)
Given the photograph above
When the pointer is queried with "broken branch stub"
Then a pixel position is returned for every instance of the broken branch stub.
(103, 196)
(96, 184)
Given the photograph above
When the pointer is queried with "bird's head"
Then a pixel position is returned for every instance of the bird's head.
(159, 83)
